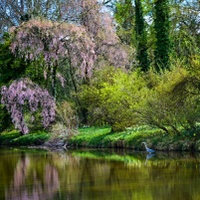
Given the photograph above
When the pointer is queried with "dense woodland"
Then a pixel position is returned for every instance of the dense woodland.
(123, 63)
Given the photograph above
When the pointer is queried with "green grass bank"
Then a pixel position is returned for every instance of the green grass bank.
(102, 137)
(14, 138)
(94, 137)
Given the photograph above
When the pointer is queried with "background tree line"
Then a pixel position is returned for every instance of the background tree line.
(121, 63)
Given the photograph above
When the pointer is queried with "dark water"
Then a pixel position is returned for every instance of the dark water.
(90, 175)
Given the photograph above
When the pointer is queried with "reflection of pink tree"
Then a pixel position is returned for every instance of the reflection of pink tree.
(21, 171)
(40, 188)
(51, 179)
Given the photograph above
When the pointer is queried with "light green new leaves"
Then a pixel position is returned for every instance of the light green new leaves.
(114, 97)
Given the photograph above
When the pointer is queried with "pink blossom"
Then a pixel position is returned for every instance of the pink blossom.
(24, 92)
(85, 43)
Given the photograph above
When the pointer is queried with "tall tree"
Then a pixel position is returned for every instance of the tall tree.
(125, 15)
(86, 42)
(51, 43)
(141, 37)
(101, 28)
(162, 29)
(185, 30)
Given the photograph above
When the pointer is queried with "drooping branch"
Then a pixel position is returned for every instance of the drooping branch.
(23, 92)
(53, 42)
(40, 38)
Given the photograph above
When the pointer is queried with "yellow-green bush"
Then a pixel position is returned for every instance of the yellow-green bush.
(66, 120)
(113, 98)
(173, 103)
(169, 101)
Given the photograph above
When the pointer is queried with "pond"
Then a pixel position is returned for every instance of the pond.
(98, 175)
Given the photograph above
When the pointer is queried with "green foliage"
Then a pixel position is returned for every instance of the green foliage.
(173, 103)
(35, 72)
(66, 122)
(5, 120)
(37, 138)
(66, 114)
(124, 15)
(7, 137)
(131, 29)
(15, 138)
(11, 68)
(141, 37)
(33, 120)
(184, 47)
(119, 98)
(194, 68)
(168, 101)
(91, 137)
(113, 97)
(184, 31)
(162, 28)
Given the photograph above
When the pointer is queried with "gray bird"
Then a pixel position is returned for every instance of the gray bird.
(148, 149)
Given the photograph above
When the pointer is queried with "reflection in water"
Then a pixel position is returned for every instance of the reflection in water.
(43, 185)
(148, 156)
(98, 175)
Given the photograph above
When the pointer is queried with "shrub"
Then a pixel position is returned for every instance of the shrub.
(113, 97)
(169, 101)
(67, 120)
(173, 103)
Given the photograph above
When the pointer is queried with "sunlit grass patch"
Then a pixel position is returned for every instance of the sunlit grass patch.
(103, 137)
(15, 138)
(37, 138)
(7, 137)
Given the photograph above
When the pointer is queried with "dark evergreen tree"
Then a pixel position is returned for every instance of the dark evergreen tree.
(161, 26)
(141, 37)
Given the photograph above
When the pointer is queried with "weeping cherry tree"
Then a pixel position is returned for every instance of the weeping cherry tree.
(22, 93)
(53, 42)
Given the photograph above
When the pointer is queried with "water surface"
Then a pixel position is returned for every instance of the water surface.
(98, 175)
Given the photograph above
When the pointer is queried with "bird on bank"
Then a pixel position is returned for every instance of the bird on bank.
(148, 149)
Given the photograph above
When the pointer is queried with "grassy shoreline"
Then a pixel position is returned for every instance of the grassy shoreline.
(102, 137)
(14, 138)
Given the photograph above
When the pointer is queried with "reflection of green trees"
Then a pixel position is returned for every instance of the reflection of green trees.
(7, 162)
(163, 176)
(170, 179)
(85, 175)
